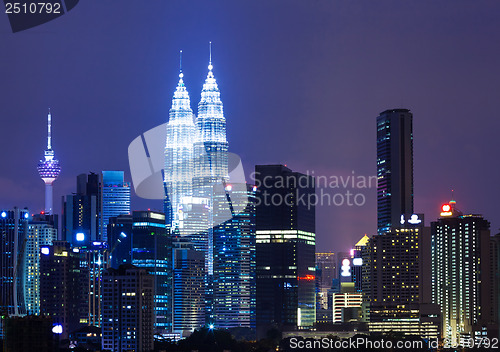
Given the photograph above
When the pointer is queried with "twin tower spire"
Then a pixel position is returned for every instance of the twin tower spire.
(196, 146)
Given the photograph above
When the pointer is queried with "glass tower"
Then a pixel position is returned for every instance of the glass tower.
(394, 167)
(13, 231)
(115, 198)
(234, 257)
(151, 249)
(285, 250)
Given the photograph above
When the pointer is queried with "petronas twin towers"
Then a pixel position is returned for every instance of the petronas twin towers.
(196, 154)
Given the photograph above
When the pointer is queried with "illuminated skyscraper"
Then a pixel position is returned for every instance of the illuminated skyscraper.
(143, 240)
(49, 169)
(114, 197)
(181, 133)
(13, 232)
(234, 257)
(461, 277)
(189, 277)
(94, 258)
(40, 233)
(394, 167)
(151, 249)
(325, 273)
(210, 148)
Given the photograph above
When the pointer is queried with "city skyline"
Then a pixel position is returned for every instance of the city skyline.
(328, 106)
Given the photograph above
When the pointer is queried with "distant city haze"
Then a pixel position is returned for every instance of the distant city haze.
(302, 84)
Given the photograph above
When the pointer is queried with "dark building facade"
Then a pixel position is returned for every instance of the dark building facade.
(394, 167)
(28, 333)
(61, 281)
(120, 240)
(80, 212)
(128, 309)
(142, 240)
(285, 249)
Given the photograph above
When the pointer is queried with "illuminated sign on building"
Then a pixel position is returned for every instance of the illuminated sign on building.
(446, 210)
(346, 267)
(414, 220)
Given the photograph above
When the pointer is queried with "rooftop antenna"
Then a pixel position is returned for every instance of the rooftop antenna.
(210, 55)
(49, 132)
(180, 64)
(453, 202)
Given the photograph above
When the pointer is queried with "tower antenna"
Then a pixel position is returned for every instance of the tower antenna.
(49, 133)
(210, 52)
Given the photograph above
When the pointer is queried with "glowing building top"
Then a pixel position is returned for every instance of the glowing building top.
(211, 121)
(211, 145)
(49, 169)
(181, 133)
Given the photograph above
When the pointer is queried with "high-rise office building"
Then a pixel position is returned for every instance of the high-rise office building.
(41, 232)
(128, 309)
(81, 211)
(495, 277)
(357, 254)
(98, 197)
(396, 281)
(189, 277)
(394, 264)
(143, 240)
(114, 198)
(346, 304)
(94, 258)
(151, 249)
(395, 270)
(14, 232)
(120, 240)
(285, 249)
(461, 274)
(394, 167)
(326, 271)
(60, 285)
(234, 257)
(49, 169)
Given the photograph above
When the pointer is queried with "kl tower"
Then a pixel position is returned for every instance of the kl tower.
(49, 168)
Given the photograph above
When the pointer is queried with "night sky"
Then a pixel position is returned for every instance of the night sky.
(302, 83)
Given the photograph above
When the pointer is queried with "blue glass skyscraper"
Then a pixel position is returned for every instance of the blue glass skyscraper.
(151, 249)
(115, 199)
(234, 257)
(13, 232)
